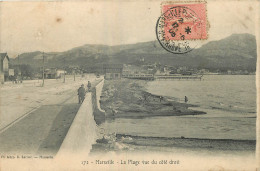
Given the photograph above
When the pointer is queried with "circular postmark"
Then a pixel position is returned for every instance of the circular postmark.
(178, 28)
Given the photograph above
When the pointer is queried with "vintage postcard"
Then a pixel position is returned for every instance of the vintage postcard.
(129, 85)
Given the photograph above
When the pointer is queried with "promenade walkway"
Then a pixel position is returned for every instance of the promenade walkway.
(43, 130)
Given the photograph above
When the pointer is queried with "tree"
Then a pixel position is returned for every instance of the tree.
(26, 71)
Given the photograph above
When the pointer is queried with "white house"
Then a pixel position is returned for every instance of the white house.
(60, 72)
(4, 66)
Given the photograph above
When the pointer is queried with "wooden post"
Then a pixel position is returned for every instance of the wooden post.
(42, 69)
(64, 72)
(74, 75)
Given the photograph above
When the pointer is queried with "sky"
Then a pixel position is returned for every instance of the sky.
(59, 26)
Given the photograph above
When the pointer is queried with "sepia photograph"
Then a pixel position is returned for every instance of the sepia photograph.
(120, 85)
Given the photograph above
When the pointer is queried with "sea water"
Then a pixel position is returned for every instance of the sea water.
(229, 100)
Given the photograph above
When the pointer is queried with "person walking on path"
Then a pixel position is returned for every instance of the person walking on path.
(81, 93)
(186, 99)
(89, 86)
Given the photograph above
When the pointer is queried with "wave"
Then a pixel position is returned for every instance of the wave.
(231, 108)
(183, 142)
(125, 136)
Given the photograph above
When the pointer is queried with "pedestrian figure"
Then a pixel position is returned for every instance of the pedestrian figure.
(89, 85)
(161, 98)
(145, 98)
(81, 93)
(186, 99)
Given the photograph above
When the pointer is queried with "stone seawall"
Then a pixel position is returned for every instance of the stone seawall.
(99, 114)
(83, 131)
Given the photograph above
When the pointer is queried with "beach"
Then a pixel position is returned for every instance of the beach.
(128, 98)
(152, 116)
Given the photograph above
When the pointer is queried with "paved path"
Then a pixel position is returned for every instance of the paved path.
(43, 130)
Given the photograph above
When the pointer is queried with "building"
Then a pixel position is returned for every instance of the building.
(136, 72)
(131, 69)
(113, 71)
(60, 73)
(52, 73)
(2, 78)
(4, 66)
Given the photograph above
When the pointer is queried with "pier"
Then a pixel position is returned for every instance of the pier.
(178, 77)
(139, 76)
(163, 77)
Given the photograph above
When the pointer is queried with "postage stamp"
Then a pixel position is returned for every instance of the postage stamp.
(180, 25)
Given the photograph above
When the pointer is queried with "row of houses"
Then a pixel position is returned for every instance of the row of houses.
(111, 71)
(7, 73)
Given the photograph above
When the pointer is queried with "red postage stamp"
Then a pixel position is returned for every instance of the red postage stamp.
(185, 21)
(180, 24)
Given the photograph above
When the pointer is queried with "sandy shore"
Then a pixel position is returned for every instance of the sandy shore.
(129, 98)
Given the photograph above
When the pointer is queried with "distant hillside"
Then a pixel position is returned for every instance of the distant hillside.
(237, 51)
